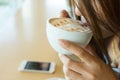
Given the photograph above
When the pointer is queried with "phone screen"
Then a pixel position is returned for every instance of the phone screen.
(44, 66)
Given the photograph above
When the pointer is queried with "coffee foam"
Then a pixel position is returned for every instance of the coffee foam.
(68, 25)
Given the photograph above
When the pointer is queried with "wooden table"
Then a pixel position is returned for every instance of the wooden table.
(24, 38)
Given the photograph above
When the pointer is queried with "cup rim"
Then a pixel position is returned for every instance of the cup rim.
(48, 22)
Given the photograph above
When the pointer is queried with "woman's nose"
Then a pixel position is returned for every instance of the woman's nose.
(78, 13)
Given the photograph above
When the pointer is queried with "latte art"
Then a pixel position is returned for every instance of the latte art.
(68, 25)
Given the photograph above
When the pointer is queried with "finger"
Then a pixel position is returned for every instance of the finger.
(64, 14)
(71, 75)
(77, 50)
(91, 50)
(76, 66)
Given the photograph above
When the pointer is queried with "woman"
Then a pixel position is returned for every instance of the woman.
(103, 17)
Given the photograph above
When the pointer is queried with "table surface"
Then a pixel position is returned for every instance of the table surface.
(23, 37)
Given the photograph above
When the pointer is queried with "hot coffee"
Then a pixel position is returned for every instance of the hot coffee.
(68, 25)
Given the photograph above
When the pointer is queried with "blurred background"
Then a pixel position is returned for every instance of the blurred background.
(23, 36)
(8, 8)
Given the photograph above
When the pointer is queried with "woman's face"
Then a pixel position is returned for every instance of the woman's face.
(78, 13)
(104, 32)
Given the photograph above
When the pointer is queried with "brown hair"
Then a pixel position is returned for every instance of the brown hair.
(101, 14)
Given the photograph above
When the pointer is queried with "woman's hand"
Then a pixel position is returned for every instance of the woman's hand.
(64, 14)
(90, 67)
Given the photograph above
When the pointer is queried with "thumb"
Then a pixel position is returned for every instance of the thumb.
(64, 14)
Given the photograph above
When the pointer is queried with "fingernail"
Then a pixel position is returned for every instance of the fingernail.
(59, 54)
(63, 58)
(62, 42)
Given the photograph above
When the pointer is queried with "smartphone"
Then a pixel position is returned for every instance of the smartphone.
(37, 66)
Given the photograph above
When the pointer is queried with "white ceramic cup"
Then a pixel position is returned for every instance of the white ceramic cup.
(54, 34)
